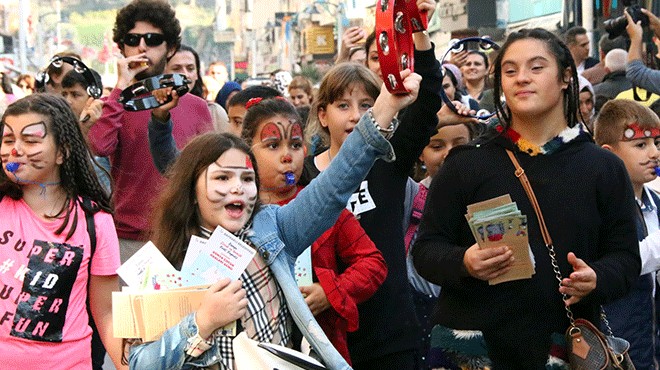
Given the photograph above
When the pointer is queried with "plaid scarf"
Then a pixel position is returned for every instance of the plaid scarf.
(267, 318)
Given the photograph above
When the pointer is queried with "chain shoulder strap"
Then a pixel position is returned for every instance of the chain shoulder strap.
(520, 174)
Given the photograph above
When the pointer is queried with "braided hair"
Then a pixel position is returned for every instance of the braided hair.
(77, 176)
(564, 60)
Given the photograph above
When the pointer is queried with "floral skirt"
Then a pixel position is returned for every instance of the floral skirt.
(466, 350)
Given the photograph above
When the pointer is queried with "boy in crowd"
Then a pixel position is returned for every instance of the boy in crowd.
(88, 110)
(632, 132)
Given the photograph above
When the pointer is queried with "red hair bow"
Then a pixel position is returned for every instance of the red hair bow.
(253, 101)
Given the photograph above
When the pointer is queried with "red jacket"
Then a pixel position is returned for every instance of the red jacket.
(350, 269)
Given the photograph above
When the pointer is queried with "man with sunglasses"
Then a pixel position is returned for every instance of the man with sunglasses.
(148, 35)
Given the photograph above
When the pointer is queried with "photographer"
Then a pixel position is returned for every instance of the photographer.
(636, 72)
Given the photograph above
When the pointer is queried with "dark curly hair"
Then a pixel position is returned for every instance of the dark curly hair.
(158, 13)
(564, 60)
(77, 176)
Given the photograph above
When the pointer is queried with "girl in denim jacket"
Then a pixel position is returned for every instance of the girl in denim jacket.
(214, 183)
(347, 268)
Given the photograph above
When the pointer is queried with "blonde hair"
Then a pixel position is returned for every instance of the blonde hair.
(302, 83)
(616, 115)
(333, 86)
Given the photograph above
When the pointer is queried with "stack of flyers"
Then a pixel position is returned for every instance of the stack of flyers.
(498, 222)
(158, 295)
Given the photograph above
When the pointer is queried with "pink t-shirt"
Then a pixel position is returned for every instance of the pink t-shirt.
(43, 287)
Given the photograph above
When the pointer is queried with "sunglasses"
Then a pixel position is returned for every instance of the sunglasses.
(150, 39)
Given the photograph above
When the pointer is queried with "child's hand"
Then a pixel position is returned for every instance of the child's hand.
(580, 282)
(315, 298)
(487, 263)
(352, 37)
(224, 302)
(387, 105)
(458, 59)
(90, 114)
(447, 117)
(426, 5)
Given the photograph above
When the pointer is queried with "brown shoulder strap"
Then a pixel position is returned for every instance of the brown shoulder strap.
(520, 174)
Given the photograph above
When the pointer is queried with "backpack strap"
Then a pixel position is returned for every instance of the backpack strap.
(91, 230)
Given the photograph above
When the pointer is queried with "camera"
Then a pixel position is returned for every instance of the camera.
(617, 26)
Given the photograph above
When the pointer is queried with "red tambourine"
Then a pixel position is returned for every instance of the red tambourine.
(396, 21)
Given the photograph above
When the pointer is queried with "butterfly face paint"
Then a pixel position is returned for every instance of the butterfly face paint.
(29, 155)
(279, 150)
(227, 192)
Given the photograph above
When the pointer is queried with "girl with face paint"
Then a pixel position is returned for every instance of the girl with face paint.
(49, 195)
(272, 128)
(215, 182)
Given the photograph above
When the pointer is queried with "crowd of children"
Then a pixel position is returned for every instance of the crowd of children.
(375, 185)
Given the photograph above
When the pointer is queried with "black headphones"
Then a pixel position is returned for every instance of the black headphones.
(456, 46)
(135, 98)
(93, 86)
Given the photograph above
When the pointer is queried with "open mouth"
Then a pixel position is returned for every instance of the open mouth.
(235, 209)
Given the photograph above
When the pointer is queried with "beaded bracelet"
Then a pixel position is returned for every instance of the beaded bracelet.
(386, 132)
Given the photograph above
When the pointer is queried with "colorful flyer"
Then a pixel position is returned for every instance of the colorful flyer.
(224, 255)
(303, 268)
(133, 271)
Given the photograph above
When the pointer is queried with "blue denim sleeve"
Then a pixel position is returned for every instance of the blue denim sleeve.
(161, 144)
(168, 352)
(317, 207)
(643, 76)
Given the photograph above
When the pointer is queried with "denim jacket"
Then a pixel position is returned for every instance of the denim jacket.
(280, 234)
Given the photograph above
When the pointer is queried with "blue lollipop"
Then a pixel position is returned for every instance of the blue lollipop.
(290, 178)
(13, 167)
(657, 170)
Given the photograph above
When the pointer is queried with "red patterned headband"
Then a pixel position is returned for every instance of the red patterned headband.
(257, 100)
(634, 131)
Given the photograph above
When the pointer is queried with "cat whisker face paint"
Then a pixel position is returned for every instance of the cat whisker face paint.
(226, 192)
(29, 154)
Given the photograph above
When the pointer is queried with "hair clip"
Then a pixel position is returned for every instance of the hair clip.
(396, 21)
(253, 101)
(635, 131)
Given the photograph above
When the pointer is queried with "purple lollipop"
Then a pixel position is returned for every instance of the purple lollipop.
(290, 178)
(13, 167)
